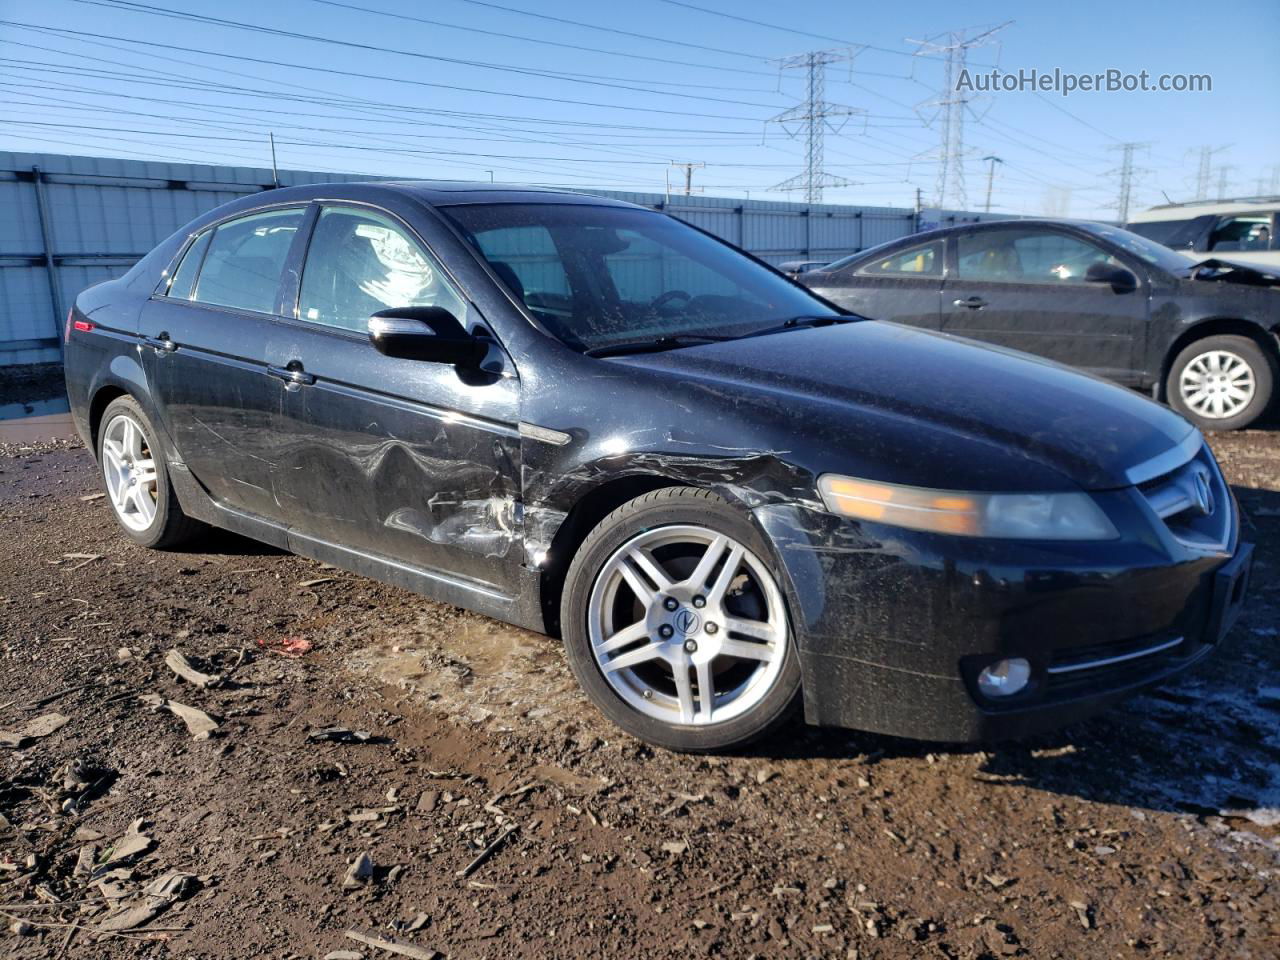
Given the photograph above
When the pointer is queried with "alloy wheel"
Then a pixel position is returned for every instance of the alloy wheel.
(1217, 384)
(687, 625)
(129, 469)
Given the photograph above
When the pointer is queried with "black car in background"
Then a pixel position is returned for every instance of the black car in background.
(590, 419)
(1201, 336)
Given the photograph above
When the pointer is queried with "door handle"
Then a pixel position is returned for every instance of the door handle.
(292, 375)
(160, 343)
(973, 303)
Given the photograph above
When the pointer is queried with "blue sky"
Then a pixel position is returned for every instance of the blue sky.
(580, 99)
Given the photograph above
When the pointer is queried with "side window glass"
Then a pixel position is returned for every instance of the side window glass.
(922, 261)
(1024, 256)
(245, 260)
(185, 276)
(527, 260)
(360, 262)
(1252, 232)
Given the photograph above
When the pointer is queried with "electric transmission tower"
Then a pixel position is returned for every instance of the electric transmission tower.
(1224, 173)
(814, 118)
(1127, 173)
(1204, 170)
(953, 105)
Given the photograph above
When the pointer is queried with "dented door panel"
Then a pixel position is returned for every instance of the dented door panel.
(410, 461)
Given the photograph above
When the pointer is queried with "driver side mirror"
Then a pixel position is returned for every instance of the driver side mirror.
(1120, 279)
(432, 334)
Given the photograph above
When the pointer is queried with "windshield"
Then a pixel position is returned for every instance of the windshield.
(1145, 250)
(595, 275)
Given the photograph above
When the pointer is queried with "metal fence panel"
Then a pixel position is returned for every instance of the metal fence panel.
(100, 214)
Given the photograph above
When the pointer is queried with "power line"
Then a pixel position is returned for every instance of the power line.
(802, 33)
(562, 45)
(403, 80)
(1127, 173)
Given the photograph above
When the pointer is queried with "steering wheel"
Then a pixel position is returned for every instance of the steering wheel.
(662, 299)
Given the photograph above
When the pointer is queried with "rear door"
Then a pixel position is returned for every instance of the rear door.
(207, 333)
(407, 461)
(904, 285)
(1024, 287)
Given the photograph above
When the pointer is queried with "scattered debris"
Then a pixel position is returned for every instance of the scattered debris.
(675, 847)
(359, 873)
(338, 735)
(160, 894)
(200, 724)
(394, 946)
(180, 665)
(1083, 913)
(286, 646)
(35, 729)
(488, 851)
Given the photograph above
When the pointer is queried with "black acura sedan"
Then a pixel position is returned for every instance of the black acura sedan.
(1202, 336)
(725, 495)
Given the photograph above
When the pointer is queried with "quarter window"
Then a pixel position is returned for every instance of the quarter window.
(185, 276)
(360, 262)
(922, 261)
(245, 260)
(1027, 256)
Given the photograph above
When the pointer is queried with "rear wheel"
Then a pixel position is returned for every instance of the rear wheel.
(1221, 382)
(137, 481)
(676, 626)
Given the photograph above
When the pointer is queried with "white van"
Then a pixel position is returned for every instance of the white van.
(1240, 230)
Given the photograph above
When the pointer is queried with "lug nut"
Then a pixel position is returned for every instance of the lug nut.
(670, 603)
(699, 602)
(711, 628)
(665, 631)
(691, 646)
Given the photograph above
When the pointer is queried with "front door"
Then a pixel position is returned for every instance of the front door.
(406, 461)
(1025, 288)
(206, 351)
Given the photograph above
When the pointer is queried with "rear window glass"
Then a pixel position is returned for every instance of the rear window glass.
(246, 259)
(921, 261)
(184, 277)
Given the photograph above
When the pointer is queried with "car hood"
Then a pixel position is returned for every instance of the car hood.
(1233, 271)
(912, 406)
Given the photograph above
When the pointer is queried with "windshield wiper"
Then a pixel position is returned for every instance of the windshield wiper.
(656, 345)
(796, 323)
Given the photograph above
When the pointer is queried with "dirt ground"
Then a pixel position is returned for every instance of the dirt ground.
(1153, 830)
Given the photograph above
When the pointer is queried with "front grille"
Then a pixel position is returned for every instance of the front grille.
(1193, 502)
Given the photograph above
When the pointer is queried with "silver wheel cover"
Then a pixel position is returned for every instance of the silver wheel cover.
(1217, 384)
(129, 470)
(697, 638)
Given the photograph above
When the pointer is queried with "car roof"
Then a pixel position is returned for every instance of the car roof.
(1188, 211)
(937, 233)
(438, 193)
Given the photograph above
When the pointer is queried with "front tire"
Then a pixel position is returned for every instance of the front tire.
(1221, 382)
(676, 626)
(137, 481)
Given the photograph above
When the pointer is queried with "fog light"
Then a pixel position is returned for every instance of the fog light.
(1004, 678)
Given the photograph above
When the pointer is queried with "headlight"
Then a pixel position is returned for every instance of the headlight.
(1018, 516)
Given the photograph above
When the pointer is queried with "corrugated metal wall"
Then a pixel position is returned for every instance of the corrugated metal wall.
(69, 222)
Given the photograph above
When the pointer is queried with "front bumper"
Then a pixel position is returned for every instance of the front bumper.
(893, 626)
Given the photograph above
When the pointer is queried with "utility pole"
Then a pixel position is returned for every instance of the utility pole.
(1275, 178)
(813, 117)
(954, 104)
(991, 176)
(1127, 173)
(1223, 171)
(688, 175)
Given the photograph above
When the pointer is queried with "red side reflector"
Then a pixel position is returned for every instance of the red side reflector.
(84, 326)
